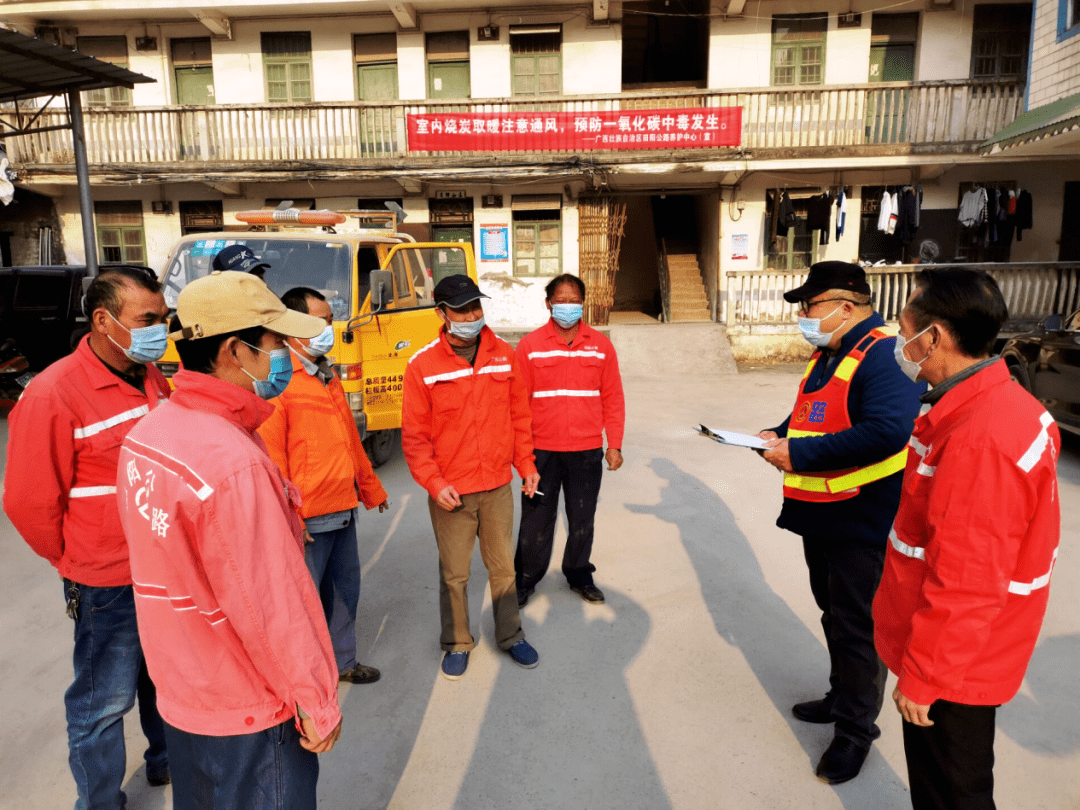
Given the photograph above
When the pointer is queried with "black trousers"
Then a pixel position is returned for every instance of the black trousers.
(577, 474)
(951, 763)
(844, 576)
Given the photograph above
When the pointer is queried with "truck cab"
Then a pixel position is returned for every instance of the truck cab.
(378, 283)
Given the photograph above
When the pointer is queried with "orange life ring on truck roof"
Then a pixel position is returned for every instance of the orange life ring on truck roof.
(291, 216)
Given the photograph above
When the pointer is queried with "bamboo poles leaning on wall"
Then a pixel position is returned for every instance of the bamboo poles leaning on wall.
(602, 221)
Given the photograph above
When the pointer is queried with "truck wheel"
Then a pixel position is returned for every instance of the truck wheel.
(379, 446)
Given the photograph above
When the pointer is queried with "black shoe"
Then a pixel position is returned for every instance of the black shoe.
(813, 711)
(159, 778)
(590, 593)
(523, 596)
(842, 761)
(359, 674)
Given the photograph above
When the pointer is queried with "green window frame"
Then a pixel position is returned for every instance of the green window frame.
(999, 41)
(798, 49)
(536, 62)
(287, 66)
(448, 57)
(797, 250)
(114, 51)
(538, 242)
(120, 232)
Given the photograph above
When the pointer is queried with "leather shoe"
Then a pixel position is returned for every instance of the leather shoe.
(523, 596)
(813, 711)
(590, 593)
(360, 674)
(842, 761)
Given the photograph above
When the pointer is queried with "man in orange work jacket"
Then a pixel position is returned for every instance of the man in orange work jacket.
(576, 396)
(312, 438)
(465, 419)
(842, 452)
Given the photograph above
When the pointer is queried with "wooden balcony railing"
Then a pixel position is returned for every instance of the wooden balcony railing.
(953, 114)
(1032, 291)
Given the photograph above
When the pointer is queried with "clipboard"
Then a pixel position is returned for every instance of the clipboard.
(732, 438)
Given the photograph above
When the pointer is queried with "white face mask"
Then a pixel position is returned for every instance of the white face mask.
(909, 367)
(811, 330)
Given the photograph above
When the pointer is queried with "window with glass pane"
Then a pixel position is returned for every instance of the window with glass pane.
(120, 231)
(114, 51)
(798, 48)
(287, 64)
(537, 243)
(999, 41)
(536, 61)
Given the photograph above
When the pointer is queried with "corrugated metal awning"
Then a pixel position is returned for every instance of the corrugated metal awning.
(31, 68)
(1047, 121)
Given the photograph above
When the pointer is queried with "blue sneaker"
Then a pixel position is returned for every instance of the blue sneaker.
(454, 665)
(524, 655)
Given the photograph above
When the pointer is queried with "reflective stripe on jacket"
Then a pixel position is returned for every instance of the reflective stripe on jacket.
(60, 480)
(312, 438)
(465, 425)
(231, 623)
(826, 411)
(575, 391)
(969, 560)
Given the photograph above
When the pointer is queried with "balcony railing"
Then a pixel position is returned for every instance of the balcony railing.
(953, 114)
(1032, 291)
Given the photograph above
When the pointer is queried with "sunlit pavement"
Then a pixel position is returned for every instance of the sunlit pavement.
(676, 693)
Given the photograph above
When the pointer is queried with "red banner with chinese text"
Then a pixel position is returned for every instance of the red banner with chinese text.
(697, 127)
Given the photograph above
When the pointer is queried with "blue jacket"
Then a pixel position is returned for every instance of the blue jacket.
(882, 405)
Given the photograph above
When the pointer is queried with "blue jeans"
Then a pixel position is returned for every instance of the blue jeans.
(266, 770)
(109, 675)
(334, 562)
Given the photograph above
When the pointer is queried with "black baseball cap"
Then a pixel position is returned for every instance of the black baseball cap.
(240, 258)
(456, 291)
(830, 276)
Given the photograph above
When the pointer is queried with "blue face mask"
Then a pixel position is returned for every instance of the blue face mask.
(811, 330)
(322, 342)
(566, 315)
(148, 343)
(466, 330)
(280, 373)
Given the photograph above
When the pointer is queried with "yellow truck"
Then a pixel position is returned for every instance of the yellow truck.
(377, 281)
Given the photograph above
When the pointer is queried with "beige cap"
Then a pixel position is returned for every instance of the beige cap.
(229, 301)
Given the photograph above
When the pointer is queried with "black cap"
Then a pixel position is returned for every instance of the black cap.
(830, 276)
(239, 258)
(456, 291)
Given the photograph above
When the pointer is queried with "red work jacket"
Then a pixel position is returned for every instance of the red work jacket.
(465, 425)
(575, 391)
(967, 569)
(63, 446)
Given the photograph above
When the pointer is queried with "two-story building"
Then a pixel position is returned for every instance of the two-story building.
(653, 147)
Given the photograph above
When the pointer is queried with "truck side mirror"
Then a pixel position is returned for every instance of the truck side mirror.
(382, 289)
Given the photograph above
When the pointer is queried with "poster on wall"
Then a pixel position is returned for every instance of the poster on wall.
(681, 128)
(740, 246)
(494, 243)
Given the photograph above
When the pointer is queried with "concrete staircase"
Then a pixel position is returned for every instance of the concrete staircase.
(687, 291)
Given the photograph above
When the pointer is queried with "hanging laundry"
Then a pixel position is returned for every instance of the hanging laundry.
(785, 215)
(907, 221)
(885, 212)
(1024, 213)
(973, 208)
(894, 211)
(818, 212)
(841, 213)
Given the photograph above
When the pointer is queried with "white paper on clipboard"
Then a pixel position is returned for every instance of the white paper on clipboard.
(730, 437)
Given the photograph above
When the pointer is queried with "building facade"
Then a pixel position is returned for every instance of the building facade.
(722, 131)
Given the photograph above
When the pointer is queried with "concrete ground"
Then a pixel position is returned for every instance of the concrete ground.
(675, 694)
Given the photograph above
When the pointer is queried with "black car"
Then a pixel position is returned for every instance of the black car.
(41, 309)
(1047, 363)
